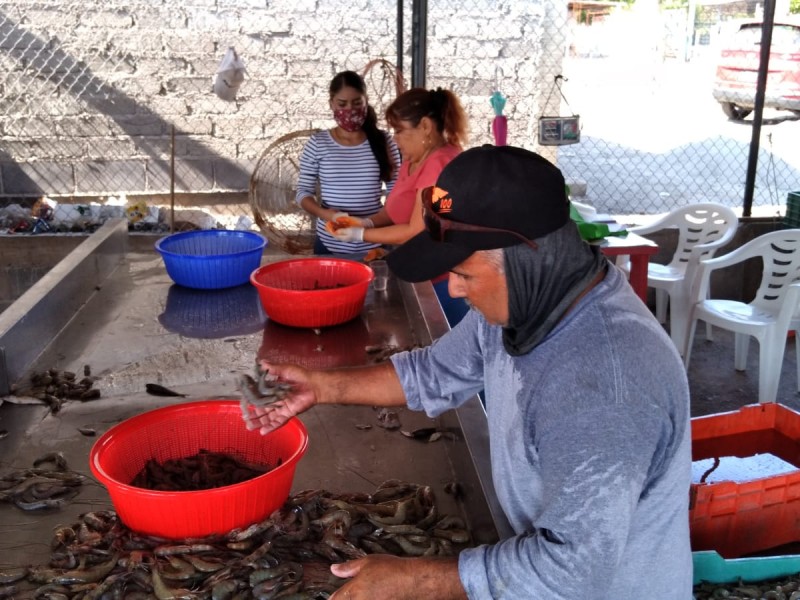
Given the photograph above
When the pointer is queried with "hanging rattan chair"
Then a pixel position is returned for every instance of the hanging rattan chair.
(273, 186)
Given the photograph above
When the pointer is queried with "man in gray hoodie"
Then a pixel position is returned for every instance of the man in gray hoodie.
(587, 400)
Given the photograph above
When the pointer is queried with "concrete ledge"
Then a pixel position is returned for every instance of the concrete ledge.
(36, 317)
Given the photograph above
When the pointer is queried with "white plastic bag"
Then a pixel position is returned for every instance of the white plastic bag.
(230, 75)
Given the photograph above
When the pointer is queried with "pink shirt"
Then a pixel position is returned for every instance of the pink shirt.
(400, 201)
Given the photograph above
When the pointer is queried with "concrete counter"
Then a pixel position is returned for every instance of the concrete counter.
(137, 327)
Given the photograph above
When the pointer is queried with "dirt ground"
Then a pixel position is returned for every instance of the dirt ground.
(717, 387)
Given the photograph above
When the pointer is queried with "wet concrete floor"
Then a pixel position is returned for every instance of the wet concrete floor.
(716, 386)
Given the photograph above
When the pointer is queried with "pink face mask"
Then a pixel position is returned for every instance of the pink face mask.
(350, 119)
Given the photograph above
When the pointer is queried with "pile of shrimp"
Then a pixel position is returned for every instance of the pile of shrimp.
(287, 555)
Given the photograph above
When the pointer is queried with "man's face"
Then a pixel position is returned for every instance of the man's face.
(483, 286)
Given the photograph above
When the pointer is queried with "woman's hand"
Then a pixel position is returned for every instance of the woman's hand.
(364, 222)
(331, 214)
(270, 417)
(349, 234)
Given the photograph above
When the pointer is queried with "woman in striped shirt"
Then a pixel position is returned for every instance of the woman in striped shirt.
(352, 164)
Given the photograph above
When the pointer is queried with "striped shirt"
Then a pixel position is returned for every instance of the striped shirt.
(349, 181)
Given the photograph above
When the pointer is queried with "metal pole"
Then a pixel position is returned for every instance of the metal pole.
(419, 39)
(758, 112)
(172, 181)
(400, 34)
(688, 42)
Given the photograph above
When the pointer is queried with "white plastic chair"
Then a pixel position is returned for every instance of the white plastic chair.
(768, 317)
(702, 229)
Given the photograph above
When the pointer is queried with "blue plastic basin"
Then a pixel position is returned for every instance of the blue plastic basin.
(211, 258)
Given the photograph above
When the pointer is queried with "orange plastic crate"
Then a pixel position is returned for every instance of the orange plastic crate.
(739, 518)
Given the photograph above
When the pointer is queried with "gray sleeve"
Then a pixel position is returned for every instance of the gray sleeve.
(445, 374)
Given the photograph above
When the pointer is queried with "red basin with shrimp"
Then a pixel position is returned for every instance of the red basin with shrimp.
(183, 430)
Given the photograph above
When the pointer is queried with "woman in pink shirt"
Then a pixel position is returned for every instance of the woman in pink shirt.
(430, 129)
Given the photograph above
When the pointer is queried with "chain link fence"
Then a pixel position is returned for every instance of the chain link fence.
(655, 137)
(107, 109)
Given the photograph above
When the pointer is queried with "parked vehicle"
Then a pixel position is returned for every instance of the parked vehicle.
(737, 69)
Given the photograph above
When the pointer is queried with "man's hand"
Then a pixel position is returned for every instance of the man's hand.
(371, 385)
(350, 234)
(394, 578)
(302, 397)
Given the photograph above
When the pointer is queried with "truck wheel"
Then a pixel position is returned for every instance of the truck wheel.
(734, 112)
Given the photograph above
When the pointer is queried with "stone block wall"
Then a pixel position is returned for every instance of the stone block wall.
(104, 97)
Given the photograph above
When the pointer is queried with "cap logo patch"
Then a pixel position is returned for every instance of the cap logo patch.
(442, 200)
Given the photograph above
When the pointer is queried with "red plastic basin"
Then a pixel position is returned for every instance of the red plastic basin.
(182, 430)
(312, 292)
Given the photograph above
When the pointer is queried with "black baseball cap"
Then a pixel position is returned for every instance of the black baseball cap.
(501, 187)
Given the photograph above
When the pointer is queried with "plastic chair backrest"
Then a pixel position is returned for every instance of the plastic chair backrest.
(768, 317)
(780, 253)
(707, 225)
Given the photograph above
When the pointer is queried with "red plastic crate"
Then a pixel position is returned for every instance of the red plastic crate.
(739, 518)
